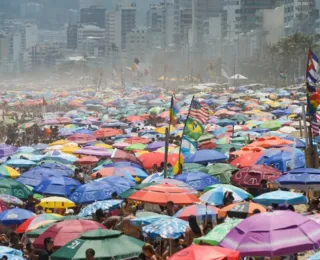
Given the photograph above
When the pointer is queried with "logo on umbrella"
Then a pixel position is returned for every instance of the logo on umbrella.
(12, 216)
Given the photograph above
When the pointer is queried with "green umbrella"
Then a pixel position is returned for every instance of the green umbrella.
(218, 233)
(224, 148)
(129, 192)
(221, 171)
(272, 125)
(108, 161)
(35, 195)
(191, 167)
(38, 231)
(205, 137)
(107, 244)
(14, 188)
(239, 118)
(135, 147)
(239, 140)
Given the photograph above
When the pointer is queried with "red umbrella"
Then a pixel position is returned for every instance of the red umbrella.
(137, 140)
(246, 160)
(156, 158)
(81, 138)
(64, 120)
(65, 231)
(251, 177)
(87, 160)
(200, 252)
(162, 193)
(135, 119)
(107, 132)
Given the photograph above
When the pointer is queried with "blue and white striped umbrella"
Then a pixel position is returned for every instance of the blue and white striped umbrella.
(170, 228)
(104, 205)
(316, 256)
(281, 197)
(142, 221)
(20, 163)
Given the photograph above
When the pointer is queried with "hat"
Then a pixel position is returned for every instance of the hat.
(69, 212)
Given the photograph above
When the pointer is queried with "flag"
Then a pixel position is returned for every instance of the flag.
(178, 166)
(313, 98)
(44, 102)
(135, 64)
(174, 110)
(188, 146)
(193, 129)
(315, 125)
(282, 75)
(199, 111)
(224, 73)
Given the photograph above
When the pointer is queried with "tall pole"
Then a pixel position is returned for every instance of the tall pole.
(166, 152)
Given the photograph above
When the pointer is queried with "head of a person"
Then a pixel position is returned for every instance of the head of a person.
(90, 254)
(170, 205)
(99, 214)
(148, 250)
(264, 183)
(4, 257)
(99, 175)
(29, 247)
(193, 224)
(48, 244)
(30, 198)
(114, 195)
(256, 211)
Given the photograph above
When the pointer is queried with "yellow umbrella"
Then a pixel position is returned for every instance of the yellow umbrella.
(70, 149)
(56, 202)
(107, 146)
(138, 153)
(59, 142)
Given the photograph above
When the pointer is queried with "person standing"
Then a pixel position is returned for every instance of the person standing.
(90, 253)
(48, 249)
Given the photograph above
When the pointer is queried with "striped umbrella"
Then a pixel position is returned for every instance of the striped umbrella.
(201, 211)
(35, 221)
(8, 172)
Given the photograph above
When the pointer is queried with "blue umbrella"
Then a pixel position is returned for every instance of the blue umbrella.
(20, 163)
(281, 197)
(143, 221)
(57, 167)
(119, 184)
(4, 250)
(225, 122)
(197, 180)
(205, 156)
(303, 179)
(315, 256)
(15, 216)
(7, 150)
(259, 130)
(61, 186)
(124, 163)
(40, 146)
(104, 205)
(298, 142)
(281, 158)
(60, 157)
(25, 149)
(169, 228)
(278, 112)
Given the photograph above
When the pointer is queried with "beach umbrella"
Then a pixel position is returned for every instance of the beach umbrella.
(275, 233)
(56, 202)
(131, 191)
(108, 244)
(155, 145)
(11, 253)
(81, 138)
(215, 194)
(33, 234)
(133, 147)
(251, 177)
(176, 183)
(197, 180)
(36, 221)
(301, 179)
(107, 132)
(193, 167)
(215, 236)
(60, 157)
(14, 188)
(65, 231)
(221, 171)
(7, 150)
(202, 212)
(20, 163)
(8, 172)
(315, 256)
(61, 186)
(11, 200)
(147, 220)
(200, 252)
(247, 159)
(205, 156)
(121, 171)
(105, 205)
(149, 160)
(241, 210)
(87, 160)
(162, 193)
(281, 197)
(15, 216)
(271, 125)
(94, 151)
(169, 228)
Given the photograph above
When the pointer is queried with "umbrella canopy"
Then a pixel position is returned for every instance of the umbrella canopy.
(15, 216)
(81, 138)
(150, 160)
(146, 220)
(166, 228)
(7, 150)
(8, 172)
(56, 202)
(8, 199)
(290, 232)
(162, 193)
(215, 194)
(215, 236)
(241, 210)
(197, 180)
(221, 171)
(107, 132)
(121, 171)
(202, 212)
(251, 177)
(108, 244)
(14, 188)
(281, 197)
(197, 252)
(205, 156)
(87, 160)
(35, 221)
(62, 186)
(20, 163)
(65, 231)
(104, 205)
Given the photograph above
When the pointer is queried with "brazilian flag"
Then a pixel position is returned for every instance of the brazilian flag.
(193, 129)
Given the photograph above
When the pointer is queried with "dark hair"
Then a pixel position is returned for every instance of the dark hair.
(256, 211)
(194, 225)
(99, 213)
(4, 257)
(47, 241)
(90, 252)
(170, 202)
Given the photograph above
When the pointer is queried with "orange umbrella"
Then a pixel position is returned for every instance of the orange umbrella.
(156, 158)
(87, 160)
(246, 160)
(137, 140)
(135, 119)
(247, 150)
(162, 193)
(240, 210)
(107, 132)
(270, 141)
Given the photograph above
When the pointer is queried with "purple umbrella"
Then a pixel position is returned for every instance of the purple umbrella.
(273, 234)
(94, 151)
(7, 150)
(155, 145)
(49, 122)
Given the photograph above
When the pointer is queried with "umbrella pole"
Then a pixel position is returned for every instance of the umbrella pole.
(165, 170)
(305, 124)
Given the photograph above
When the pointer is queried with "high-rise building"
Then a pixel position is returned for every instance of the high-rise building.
(113, 31)
(94, 16)
(72, 37)
(72, 17)
(88, 35)
(128, 21)
(230, 19)
(182, 22)
(137, 44)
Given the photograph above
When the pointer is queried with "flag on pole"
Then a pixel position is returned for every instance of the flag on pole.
(135, 64)
(312, 78)
(174, 110)
(199, 111)
(193, 128)
(224, 73)
(282, 75)
(315, 125)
